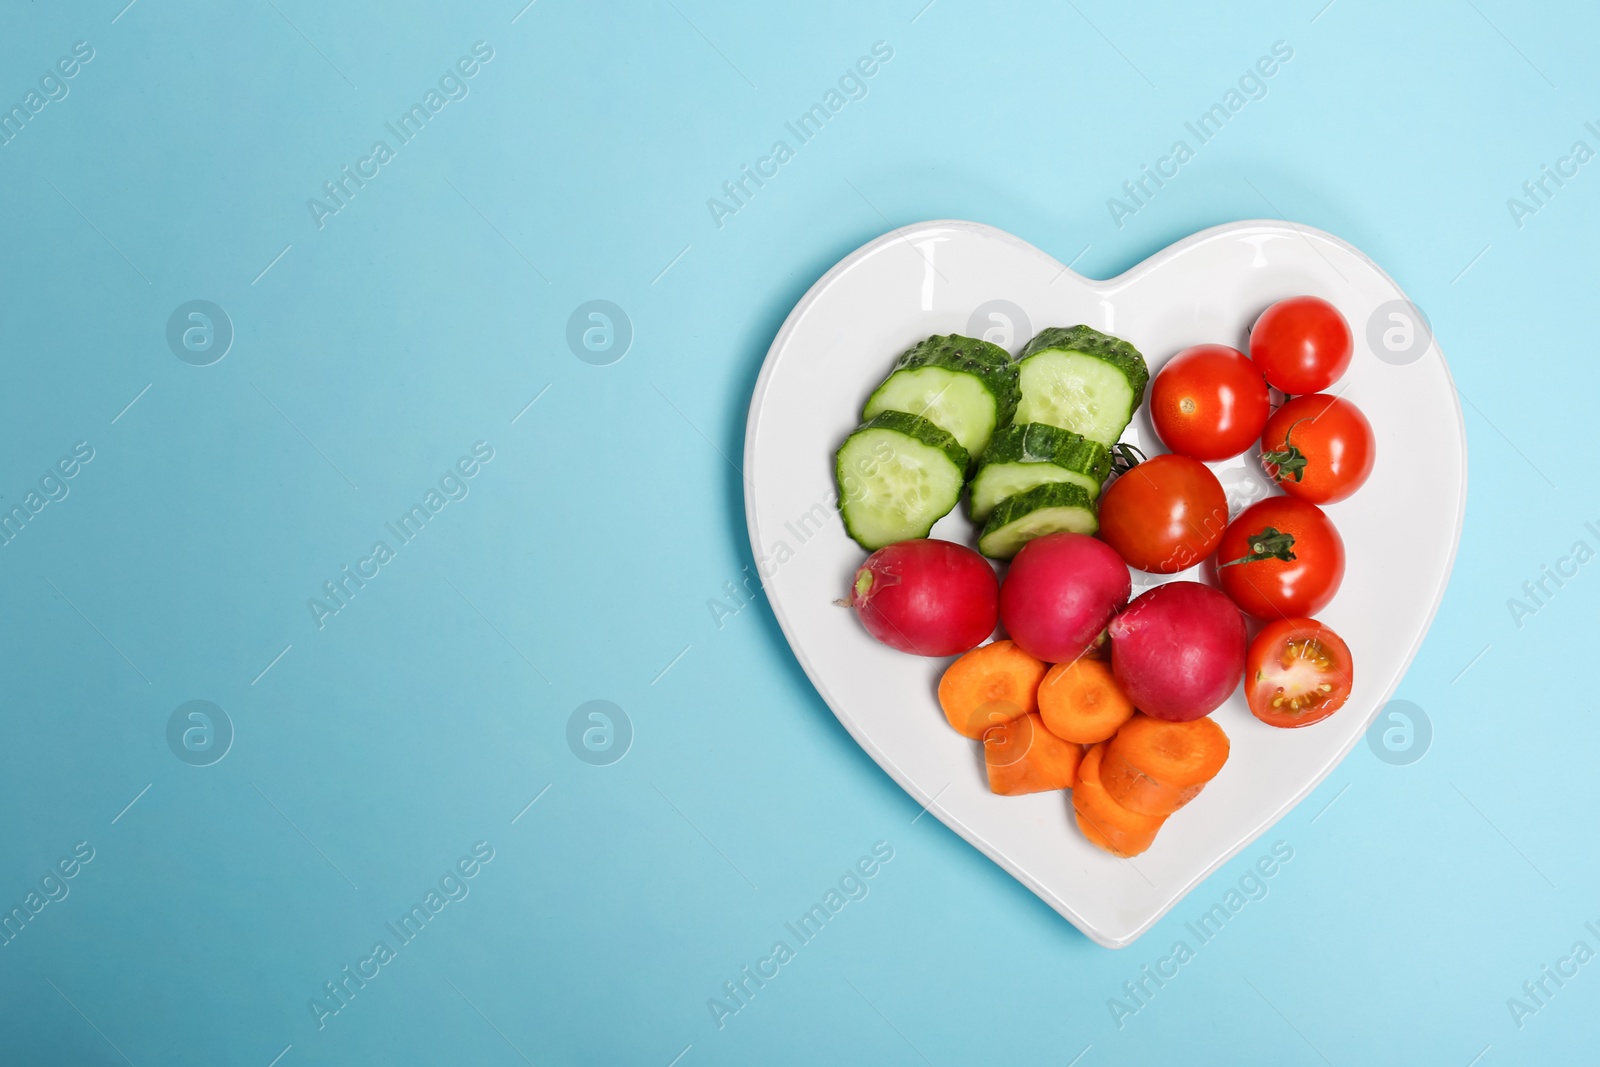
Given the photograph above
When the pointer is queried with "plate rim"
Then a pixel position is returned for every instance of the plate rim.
(758, 398)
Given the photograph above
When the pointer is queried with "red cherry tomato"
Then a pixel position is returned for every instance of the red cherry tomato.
(1165, 515)
(1297, 672)
(1209, 402)
(1301, 344)
(1281, 558)
(1318, 448)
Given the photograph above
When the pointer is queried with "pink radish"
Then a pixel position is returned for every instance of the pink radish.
(1059, 594)
(926, 597)
(1178, 651)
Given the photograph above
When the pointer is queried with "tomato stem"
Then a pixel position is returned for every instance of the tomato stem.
(1288, 459)
(1125, 457)
(1270, 543)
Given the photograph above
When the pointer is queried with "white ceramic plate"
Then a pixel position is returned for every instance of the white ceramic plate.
(930, 278)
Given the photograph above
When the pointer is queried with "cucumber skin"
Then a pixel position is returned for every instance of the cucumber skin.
(1092, 342)
(918, 429)
(990, 363)
(1037, 442)
(1041, 443)
(1050, 495)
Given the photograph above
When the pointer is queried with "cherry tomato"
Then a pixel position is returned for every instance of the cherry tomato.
(1301, 344)
(1165, 515)
(1209, 402)
(1318, 448)
(1297, 672)
(1281, 558)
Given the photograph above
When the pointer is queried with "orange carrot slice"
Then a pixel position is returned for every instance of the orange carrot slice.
(1023, 757)
(1081, 701)
(1104, 822)
(988, 686)
(1156, 767)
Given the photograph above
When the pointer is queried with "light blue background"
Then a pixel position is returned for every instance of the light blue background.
(431, 710)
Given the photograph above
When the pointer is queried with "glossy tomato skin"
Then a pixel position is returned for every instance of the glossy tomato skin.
(1274, 588)
(1165, 515)
(1209, 402)
(1302, 344)
(1318, 448)
(1297, 672)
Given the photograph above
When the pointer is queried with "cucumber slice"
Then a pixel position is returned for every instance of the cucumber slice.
(1021, 457)
(1081, 380)
(960, 384)
(898, 474)
(1016, 520)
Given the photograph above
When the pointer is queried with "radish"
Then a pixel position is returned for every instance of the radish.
(927, 597)
(1061, 591)
(1178, 651)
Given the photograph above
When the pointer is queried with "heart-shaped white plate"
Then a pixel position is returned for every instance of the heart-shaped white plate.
(1400, 530)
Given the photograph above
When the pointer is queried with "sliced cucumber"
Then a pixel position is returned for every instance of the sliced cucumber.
(1016, 520)
(1081, 380)
(960, 384)
(1021, 457)
(898, 474)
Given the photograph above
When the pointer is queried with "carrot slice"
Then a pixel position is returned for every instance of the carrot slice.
(990, 685)
(1156, 767)
(1081, 701)
(1104, 822)
(1023, 757)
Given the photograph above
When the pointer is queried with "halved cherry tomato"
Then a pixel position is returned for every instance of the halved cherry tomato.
(1165, 515)
(1281, 559)
(1297, 672)
(1209, 402)
(1301, 344)
(1318, 448)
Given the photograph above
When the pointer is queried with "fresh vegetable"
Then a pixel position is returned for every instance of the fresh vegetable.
(1301, 344)
(1298, 672)
(1021, 457)
(926, 597)
(1044, 509)
(1059, 594)
(1082, 380)
(1178, 651)
(1281, 558)
(990, 685)
(1164, 515)
(1318, 448)
(1081, 701)
(1022, 756)
(960, 384)
(1155, 767)
(1104, 822)
(898, 474)
(1209, 402)
(1088, 692)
